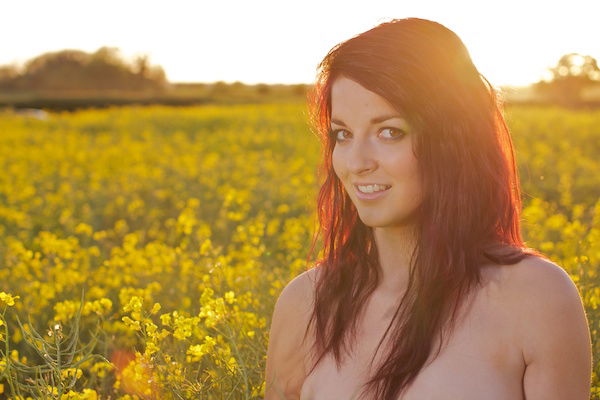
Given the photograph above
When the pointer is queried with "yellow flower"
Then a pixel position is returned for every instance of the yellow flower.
(8, 299)
(155, 308)
(65, 310)
(135, 304)
(151, 348)
(131, 323)
(100, 307)
(165, 319)
(69, 372)
(195, 352)
(231, 363)
(205, 247)
(84, 229)
(230, 297)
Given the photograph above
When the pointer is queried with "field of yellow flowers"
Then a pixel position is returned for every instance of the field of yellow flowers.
(142, 248)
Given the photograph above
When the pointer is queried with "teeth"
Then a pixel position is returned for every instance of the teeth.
(372, 188)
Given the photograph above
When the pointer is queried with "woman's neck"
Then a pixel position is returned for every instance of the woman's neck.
(395, 246)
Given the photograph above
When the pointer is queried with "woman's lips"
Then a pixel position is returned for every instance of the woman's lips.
(370, 196)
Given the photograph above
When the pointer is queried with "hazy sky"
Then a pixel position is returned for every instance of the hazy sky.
(510, 41)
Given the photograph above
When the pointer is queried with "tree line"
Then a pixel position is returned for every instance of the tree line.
(574, 80)
(76, 70)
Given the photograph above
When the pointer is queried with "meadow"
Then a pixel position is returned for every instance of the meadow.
(142, 248)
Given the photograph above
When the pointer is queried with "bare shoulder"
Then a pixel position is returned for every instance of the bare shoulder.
(553, 330)
(300, 289)
(528, 279)
(538, 286)
(287, 350)
(538, 273)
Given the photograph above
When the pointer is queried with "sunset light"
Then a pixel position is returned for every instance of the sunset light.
(512, 42)
(271, 200)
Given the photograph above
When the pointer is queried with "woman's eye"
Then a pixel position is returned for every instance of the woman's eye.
(338, 134)
(395, 133)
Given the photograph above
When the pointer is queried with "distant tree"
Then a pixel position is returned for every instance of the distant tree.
(569, 77)
(106, 71)
(220, 88)
(147, 73)
(299, 89)
(576, 65)
(77, 70)
(141, 64)
(263, 89)
(8, 75)
(54, 70)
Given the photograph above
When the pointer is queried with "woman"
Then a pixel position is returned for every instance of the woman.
(425, 289)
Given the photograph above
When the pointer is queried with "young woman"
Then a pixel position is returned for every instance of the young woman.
(425, 289)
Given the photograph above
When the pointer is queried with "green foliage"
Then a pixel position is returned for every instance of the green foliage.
(61, 360)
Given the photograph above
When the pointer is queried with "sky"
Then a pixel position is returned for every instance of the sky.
(277, 41)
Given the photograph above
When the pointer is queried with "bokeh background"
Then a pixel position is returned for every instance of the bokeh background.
(159, 176)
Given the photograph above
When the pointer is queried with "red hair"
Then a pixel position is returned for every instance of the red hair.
(471, 205)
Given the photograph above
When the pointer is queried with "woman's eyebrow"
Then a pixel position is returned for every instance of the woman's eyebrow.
(374, 120)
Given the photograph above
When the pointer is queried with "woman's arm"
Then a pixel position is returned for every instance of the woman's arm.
(556, 340)
(285, 367)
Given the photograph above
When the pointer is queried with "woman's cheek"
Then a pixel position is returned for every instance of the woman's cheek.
(336, 163)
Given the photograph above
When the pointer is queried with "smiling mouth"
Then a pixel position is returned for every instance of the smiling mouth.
(375, 188)
(371, 196)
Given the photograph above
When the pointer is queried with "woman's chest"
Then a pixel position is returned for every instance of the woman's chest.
(480, 360)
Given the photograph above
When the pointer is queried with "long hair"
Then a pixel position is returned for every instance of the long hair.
(471, 204)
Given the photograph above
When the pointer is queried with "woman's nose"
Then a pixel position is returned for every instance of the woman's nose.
(361, 158)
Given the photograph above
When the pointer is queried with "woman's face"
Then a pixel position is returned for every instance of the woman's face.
(374, 146)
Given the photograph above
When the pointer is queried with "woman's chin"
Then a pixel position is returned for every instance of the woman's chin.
(380, 220)
(375, 221)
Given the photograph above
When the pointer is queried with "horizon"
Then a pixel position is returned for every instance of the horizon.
(258, 43)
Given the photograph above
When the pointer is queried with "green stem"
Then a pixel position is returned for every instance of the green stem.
(241, 362)
(7, 355)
